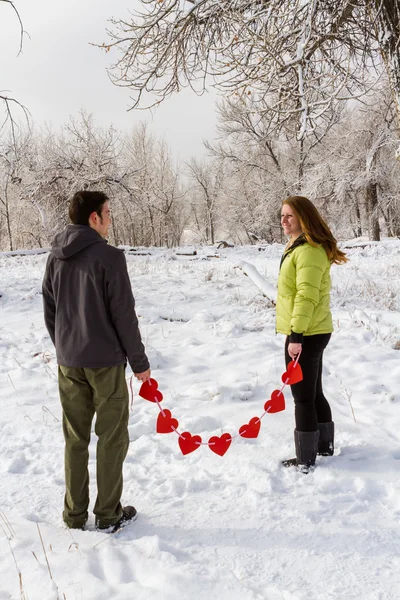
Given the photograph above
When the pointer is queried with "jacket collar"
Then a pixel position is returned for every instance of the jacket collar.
(299, 241)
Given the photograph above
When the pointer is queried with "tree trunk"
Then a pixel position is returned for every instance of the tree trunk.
(358, 219)
(9, 232)
(115, 232)
(153, 230)
(393, 222)
(387, 217)
(372, 211)
(301, 163)
(212, 226)
(7, 215)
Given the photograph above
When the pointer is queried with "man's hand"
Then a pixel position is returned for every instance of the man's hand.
(143, 376)
(294, 350)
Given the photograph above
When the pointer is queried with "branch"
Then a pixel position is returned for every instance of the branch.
(22, 31)
(307, 55)
(9, 118)
(6, 99)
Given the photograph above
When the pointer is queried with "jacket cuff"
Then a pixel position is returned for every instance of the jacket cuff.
(295, 338)
(140, 367)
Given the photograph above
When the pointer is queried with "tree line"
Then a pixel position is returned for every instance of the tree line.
(346, 165)
(310, 105)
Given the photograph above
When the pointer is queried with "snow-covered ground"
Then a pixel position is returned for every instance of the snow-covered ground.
(232, 527)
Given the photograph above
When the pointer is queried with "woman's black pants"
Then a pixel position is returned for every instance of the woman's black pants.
(311, 406)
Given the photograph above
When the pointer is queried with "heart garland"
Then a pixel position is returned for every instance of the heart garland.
(218, 444)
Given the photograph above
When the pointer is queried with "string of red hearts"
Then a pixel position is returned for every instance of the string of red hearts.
(219, 444)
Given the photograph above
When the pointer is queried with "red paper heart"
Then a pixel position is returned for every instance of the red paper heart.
(188, 443)
(252, 429)
(293, 373)
(220, 445)
(149, 391)
(165, 422)
(277, 402)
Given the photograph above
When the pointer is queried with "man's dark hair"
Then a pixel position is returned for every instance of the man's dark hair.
(83, 204)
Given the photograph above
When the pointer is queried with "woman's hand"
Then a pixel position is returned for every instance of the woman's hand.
(294, 350)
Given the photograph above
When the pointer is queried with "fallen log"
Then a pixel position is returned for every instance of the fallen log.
(267, 289)
(224, 244)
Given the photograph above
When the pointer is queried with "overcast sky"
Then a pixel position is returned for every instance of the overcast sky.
(59, 72)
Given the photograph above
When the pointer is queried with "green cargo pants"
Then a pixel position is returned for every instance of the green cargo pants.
(84, 392)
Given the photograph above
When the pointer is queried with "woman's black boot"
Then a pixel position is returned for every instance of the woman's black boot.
(326, 438)
(306, 444)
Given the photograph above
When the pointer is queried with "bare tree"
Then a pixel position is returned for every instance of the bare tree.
(18, 220)
(81, 156)
(157, 192)
(355, 174)
(7, 176)
(39, 172)
(170, 193)
(242, 125)
(208, 180)
(250, 203)
(296, 58)
(246, 140)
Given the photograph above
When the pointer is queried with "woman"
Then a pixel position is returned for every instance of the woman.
(303, 315)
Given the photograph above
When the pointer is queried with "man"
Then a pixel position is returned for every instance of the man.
(89, 312)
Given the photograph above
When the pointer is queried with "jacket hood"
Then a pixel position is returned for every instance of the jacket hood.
(73, 239)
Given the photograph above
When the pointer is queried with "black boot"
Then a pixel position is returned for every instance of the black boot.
(306, 444)
(326, 438)
(129, 514)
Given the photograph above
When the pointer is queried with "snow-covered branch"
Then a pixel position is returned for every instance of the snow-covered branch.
(306, 55)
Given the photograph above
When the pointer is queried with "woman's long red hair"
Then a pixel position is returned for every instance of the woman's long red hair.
(314, 228)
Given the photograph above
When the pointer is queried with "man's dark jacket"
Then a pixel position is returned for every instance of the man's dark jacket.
(89, 308)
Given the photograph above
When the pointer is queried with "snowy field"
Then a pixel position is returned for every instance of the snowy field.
(233, 527)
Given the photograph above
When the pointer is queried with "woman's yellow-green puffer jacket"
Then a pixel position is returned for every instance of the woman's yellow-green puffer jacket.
(304, 285)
